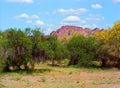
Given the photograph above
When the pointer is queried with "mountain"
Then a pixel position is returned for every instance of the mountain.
(69, 30)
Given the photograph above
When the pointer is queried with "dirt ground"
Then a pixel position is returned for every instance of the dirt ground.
(62, 77)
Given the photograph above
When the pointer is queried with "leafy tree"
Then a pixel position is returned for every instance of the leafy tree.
(82, 50)
(16, 50)
(110, 45)
(55, 50)
(38, 45)
(1, 40)
(66, 38)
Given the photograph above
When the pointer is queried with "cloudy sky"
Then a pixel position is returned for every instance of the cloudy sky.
(51, 14)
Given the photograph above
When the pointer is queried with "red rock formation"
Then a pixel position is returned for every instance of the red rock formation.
(66, 31)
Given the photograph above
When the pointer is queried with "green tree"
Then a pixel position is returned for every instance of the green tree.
(1, 41)
(56, 51)
(16, 50)
(38, 45)
(82, 50)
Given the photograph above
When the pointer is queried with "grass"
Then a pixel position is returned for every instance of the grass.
(2, 86)
(46, 76)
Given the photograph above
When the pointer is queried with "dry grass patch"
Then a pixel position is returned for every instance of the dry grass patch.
(46, 76)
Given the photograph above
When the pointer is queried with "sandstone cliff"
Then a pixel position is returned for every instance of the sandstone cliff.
(68, 30)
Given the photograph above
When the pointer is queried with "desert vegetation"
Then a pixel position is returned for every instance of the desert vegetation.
(22, 51)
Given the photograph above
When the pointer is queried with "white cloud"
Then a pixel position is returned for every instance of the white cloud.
(72, 11)
(26, 16)
(39, 22)
(95, 17)
(116, 1)
(29, 22)
(48, 31)
(34, 17)
(108, 25)
(21, 1)
(86, 26)
(30, 19)
(48, 28)
(94, 26)
(47, 13)
(72, 20)
(36, 23)
(96, 6)
(22, 16)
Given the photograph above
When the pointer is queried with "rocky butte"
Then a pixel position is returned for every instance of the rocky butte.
(69, 30)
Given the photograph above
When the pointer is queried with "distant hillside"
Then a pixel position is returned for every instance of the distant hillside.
(68, 30)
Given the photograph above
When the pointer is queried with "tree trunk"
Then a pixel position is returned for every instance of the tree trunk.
(53, 62)
(6, 69)
(104, 63)
(73, 61)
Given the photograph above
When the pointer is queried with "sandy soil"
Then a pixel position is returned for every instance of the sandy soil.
(60, 77)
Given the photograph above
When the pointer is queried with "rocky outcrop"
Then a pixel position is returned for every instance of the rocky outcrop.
(69, 30)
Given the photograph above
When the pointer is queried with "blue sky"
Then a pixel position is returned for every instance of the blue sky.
(52, 14)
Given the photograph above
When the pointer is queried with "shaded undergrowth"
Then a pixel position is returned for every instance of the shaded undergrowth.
(27, 72)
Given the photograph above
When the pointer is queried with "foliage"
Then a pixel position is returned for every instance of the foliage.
(110, 45)
(38, 45)
(21, 49)
(16, 49)
(66, 38)
(56, 50)
(82, 50)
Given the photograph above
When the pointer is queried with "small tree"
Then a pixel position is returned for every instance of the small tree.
(16, 49)
(56, 51)
(110, 46)
(38, 45)
(82, 50)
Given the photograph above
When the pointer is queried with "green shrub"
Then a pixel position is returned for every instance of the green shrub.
(16, 49)
(82, 50)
